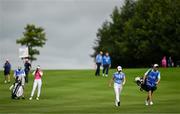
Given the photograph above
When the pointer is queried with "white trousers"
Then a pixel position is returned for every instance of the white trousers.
(37, 83)
(117, 90)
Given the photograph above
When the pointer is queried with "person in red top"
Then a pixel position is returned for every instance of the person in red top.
(37, 82)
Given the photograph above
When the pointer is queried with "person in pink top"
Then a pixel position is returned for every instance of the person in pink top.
(37, 82)
(164, 62)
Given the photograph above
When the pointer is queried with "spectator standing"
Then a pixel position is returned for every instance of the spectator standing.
(7, 70)
(164, 62)
(106, 64)
(27, 68)
(98, 63)
(170, 62)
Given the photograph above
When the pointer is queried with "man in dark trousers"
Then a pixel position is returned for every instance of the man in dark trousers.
(98, 63)
(106, 64)
(27, 67)
(7, 70)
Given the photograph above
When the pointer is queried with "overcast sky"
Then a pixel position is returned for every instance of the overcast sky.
(70, 26)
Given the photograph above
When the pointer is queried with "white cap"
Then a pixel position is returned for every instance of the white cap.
(137, 79)
(119, 68)
(155, 65)
(19, 67)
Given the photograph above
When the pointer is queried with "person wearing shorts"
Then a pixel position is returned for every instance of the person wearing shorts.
(7, 70)
(151, 79)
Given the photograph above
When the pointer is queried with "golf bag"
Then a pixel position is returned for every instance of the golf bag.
(139, 82)
(17, 90)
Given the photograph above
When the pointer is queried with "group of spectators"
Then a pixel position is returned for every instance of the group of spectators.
(167, 62)
(21, 75)
(7, 70)
(103, 60)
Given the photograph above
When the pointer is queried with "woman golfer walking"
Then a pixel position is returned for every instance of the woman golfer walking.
(119, 80)
(37, 82)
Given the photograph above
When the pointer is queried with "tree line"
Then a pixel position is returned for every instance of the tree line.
(141, 32)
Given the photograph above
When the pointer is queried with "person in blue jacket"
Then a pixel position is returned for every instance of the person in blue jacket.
(98, 63)
(106, 64)
(7, 70)
(151, 79)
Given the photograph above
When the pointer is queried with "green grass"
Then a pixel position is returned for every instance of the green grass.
(79, 91)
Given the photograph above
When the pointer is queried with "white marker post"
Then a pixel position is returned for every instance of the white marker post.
(23, 52)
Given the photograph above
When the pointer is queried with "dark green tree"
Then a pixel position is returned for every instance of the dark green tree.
(33, 37)
(151, 33)
(141, 33)
(110, 35)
